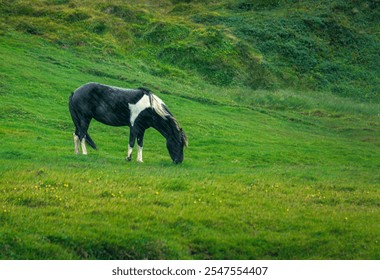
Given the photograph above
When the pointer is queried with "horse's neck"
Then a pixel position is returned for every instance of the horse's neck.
(163, 127)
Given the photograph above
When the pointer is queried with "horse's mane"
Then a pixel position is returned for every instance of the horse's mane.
(162, 110)
(157, 104)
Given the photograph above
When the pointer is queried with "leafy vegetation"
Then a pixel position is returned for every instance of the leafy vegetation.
(280, 103)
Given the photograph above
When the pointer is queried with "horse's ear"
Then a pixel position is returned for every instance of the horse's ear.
(184, 138)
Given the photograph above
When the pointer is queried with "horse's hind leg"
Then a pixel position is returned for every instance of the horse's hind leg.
(81, 132)
(83, 144)
(76, 143)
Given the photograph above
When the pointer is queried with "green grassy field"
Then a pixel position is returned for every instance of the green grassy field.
(284, 173)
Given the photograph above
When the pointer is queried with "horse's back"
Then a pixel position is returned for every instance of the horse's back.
(104, 93)
(107, 104)
(81, 95)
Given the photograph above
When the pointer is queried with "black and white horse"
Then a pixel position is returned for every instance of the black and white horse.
(137, 108)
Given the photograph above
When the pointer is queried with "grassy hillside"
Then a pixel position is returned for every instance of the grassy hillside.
(283, 155)
(325, 45)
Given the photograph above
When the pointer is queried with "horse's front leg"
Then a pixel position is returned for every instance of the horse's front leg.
(140, 141)
(132, 139)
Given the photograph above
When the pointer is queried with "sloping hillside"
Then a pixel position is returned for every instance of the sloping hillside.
(279, 100)
(326, 45)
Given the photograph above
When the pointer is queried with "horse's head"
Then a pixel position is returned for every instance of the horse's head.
(169, 127)
(176, 142)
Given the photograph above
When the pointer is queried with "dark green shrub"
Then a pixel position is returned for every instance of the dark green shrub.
(165, 33)
(98, 27)
(76, 16)
(29, 27)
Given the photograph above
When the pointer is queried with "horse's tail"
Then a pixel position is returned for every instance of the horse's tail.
(76, 121)
(90, 141)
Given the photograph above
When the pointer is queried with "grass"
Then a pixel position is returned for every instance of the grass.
(257, 183)
(269, 174)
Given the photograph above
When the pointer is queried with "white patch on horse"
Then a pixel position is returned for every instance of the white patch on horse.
(130, 149)
(139, 154)
(83, 144)
(76, 143)
(137, 108)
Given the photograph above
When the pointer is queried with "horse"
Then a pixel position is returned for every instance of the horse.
(139, 109)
